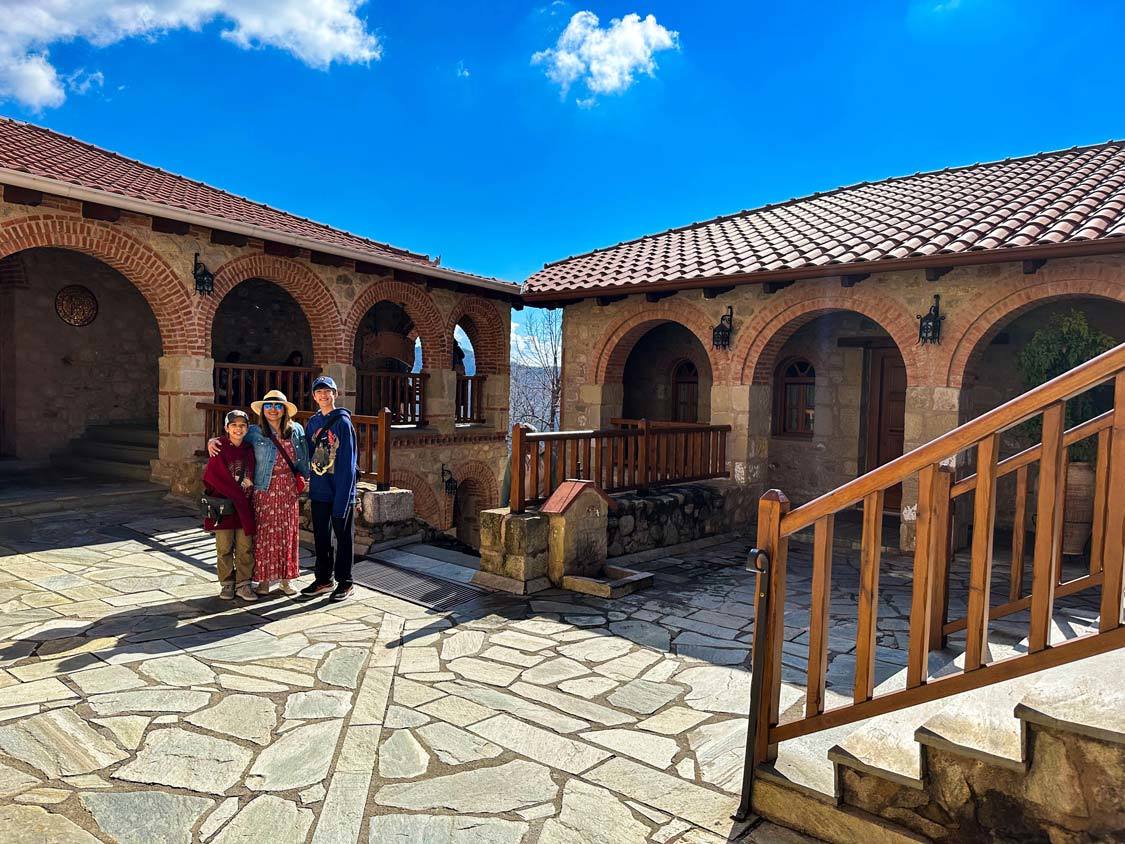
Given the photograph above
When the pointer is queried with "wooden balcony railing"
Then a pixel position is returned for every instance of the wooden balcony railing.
(403, 393)
(928, 623)
(241, 383)
(470, 398)
(617, 459)
(373, 439)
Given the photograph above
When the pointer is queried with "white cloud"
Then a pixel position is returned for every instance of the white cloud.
(80, 82)
(605, 59)
(462, 71)
(317, 32)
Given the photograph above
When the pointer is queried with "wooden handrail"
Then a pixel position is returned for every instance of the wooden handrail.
(1020, 409)
(617, 459)
(469, 406)
(373, 438)
(929, 624)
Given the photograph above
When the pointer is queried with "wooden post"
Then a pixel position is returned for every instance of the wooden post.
(818, 613)
(516, 498)
(943, 526)
(1019, 536)
(642, 456)
(870, 552)
(1113, 554)
(1101, 480)
(980, 564)
(1048, 526)
(383, 475)
(927, 552)
(772, 507)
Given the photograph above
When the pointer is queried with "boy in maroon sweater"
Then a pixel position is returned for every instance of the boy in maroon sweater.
(230, 474)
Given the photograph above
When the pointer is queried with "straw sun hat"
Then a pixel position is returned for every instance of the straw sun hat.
(274, 395)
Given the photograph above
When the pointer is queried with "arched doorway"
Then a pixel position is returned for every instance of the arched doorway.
(469, 406)
(260, 340)
(387, 354)
(837, 404)
(78, 364)
(667, 377)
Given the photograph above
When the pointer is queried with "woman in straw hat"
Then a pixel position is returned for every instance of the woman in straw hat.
(281, 467)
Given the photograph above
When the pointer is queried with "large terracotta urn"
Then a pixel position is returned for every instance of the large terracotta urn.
(1079, 513)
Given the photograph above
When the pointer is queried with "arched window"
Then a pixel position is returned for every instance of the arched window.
(685, 392)
(794, 404)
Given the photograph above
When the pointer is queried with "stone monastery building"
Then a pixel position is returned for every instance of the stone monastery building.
(132, 296)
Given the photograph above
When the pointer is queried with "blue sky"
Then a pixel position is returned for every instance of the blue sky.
(453, 142)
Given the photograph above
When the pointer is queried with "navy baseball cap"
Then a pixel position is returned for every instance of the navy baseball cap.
(324, 381)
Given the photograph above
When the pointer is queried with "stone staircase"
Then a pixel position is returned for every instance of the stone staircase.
(1036, 758)
(124, 451)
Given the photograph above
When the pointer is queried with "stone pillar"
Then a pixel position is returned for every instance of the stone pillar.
(441, 400)
(930, 412)
(730, 405)
(185, 381)
(344, 374)
(599, 402)
(759, 400)
(497, 401)
(513, 551)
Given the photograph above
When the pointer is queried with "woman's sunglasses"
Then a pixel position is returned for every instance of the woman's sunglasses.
(272, 405)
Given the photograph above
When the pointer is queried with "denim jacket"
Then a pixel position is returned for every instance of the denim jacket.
(265, 454)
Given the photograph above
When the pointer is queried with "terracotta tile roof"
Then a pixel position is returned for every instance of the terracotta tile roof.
(1049, 199)
(40, 152)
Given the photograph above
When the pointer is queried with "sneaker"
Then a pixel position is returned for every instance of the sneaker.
(263, 588)
(341, 593)
(227, 592)
(315, 588)
(246, 593)
(287, 588)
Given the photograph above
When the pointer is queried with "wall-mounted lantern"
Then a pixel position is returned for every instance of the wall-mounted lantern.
(929, 324)
(204, 278)
(720, 335)
(448, 481)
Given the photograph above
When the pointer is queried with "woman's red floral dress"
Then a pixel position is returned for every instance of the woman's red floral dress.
(277, 513)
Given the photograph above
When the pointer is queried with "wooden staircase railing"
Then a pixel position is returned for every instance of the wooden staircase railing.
(929, 626)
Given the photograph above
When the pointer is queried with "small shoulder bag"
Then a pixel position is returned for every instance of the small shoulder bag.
(216, 507)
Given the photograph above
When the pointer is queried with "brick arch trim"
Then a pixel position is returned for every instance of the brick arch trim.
(419, 306)
(310, 292)
(427, 507)
(162, 287)
(612, 350)
(766, 332)
(484, 324)
(478, 474)
(1017, 298)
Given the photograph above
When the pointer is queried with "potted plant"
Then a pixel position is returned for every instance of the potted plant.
(1067, 341)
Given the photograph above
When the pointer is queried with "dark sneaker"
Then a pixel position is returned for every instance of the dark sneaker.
(341, 593)
(315, 588)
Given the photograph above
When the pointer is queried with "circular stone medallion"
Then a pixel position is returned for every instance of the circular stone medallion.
(76, 305)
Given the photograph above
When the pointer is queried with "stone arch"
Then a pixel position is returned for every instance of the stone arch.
(419, 306)
(309, 291)
(147, 270)
(482, 321)
(427, 506)
(612, 351)
(477, 472)
(1013, 299)
(766, 332)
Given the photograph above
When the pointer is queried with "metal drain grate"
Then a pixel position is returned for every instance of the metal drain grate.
(418, 589)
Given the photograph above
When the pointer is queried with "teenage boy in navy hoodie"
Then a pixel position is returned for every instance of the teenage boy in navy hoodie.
(332, 449)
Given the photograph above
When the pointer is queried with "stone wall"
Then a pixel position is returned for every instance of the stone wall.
(261, 322)
(649, 392)
(63, 378)
(977, 301)
(671, 515)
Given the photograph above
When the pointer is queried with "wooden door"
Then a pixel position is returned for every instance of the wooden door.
(886, 415)
(685, 392)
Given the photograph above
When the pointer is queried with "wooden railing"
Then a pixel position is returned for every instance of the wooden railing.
(403, 393)
(373, 439)
(470, 398)
(617, 459)
(654, 423)
(241, 383)
(928, 623)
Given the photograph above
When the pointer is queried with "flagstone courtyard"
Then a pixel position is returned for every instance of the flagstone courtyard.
(135, 706)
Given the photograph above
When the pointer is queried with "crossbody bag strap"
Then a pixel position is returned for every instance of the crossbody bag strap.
(283, 453)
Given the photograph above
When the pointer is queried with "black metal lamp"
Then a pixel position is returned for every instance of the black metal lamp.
(929, 324)
(204, 278)
(448, 481)
(720, 335)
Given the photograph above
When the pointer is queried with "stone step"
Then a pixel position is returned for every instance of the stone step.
(139, 455)
(130, 433)
(803, 763)
(1085, 697)
(105, 468)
